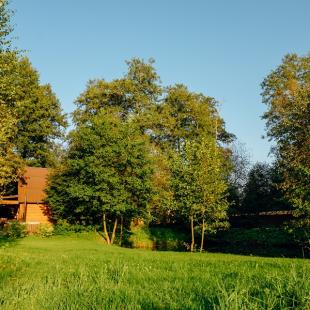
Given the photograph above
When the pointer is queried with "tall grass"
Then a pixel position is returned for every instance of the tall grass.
(79, 272)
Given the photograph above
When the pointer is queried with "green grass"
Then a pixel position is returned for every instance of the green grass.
(80, 272)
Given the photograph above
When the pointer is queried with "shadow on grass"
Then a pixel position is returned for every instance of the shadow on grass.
(251, 242)
(7, 242)
(268, 242)
(289, 251)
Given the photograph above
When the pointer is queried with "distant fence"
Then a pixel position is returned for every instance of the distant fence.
(262, 219)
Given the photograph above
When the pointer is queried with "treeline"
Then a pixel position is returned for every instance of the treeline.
(143, 150)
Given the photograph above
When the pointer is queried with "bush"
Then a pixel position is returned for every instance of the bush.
(155, 238)
(45, 230)
(13, 230)
(64, 228)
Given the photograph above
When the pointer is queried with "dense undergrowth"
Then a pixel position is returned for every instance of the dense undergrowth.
(80, 272)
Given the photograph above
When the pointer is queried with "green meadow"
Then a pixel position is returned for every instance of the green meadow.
(81, 272)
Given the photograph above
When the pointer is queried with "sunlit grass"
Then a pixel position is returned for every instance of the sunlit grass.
(80, 272)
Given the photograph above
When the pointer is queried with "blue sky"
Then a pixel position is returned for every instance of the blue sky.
(221, 48)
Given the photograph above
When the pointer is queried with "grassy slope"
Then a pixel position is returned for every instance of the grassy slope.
(82, 273)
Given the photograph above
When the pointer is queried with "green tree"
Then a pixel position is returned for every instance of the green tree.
(180, 118)
(184, 115)
(10, 163)
(262, 192)
(134, 94)
(286, 92)
(200, 186)
(240, 165)
(5, 26)
(107, 173)
(169, 117)
(39, 121)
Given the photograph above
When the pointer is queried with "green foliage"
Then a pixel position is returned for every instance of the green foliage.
(155, 238)
(200, 184)
(40, 121)
(262, 192)
(5, 26)
(134, 94)
(286, 92)
(45, 230)
(107, 171)
(122, 156)
(238, 175)
(82, 273)
(31, 119)
(64, 228)
(31, 116)
(13, 230)
(10, 163)
(185, 115)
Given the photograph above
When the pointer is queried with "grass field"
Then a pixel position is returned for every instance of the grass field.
(80, 272)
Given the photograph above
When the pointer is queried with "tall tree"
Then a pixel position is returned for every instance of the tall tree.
(39, 118)
(185, 115)
(200, 186)
(240, 165)
(39, 121)
(286, 92)
(133, 94)
(10, 163)
(106, 174)
(262, 192)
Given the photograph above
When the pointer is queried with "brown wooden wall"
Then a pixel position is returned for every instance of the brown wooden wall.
(31, 195)
(31, 187)
(37, 213)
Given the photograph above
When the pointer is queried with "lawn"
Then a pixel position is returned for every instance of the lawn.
(80, 272)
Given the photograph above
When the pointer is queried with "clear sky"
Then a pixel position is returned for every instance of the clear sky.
(221, 48)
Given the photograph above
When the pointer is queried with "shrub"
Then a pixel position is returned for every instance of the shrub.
(63, 228)
(13, 230)
(45, 230)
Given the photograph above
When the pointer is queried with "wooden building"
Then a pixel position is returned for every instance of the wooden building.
(28, 205)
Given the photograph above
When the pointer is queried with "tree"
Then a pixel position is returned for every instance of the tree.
(240, 165)
(134, 94)
(185, 115)
(163, 207)
(40, 121)
(170, 118)
(286, 92)
(200, 186)
(38, 118)
(10, 163)
(106, 174)
(5, 26)
(262, 192)
(182, 117)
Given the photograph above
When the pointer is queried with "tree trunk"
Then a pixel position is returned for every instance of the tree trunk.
(106, 233)
(202, 234)
(121, 232)
(193, 235)
(114, 231)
